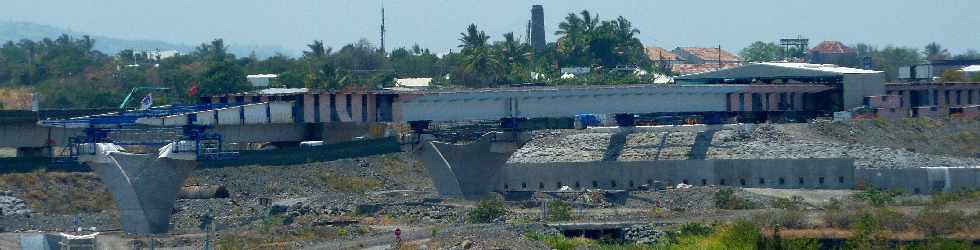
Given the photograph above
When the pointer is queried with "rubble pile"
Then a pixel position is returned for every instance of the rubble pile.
(562, 146)
(643, 234)
(765, 141)
(795, 141)
(10, 205)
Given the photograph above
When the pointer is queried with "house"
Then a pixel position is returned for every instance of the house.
(261, 80)
(833, 52)
(413, 83)
(852, 84)
(933, 69)
(658, 54)
(706, 56)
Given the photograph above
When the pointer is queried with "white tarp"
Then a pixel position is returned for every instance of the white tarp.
(167, 151)
(97, 152)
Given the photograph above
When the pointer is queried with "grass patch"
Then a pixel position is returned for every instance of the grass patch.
(59, 193)
(726, 199)
(559, 211)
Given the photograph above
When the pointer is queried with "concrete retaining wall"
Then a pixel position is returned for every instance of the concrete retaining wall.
(773, 173)
(920, 180)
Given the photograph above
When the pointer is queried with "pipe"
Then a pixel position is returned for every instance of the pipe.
(202, 192)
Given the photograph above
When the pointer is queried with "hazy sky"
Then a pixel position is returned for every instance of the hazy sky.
(436, 24)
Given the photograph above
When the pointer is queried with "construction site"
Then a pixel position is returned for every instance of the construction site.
(593, 141)
(628, 164)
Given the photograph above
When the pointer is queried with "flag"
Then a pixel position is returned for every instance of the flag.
(192, 92)
(147, 102)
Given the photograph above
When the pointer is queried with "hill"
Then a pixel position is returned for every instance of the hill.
(16, 31)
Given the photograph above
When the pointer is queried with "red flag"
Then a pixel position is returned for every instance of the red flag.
(192, 92)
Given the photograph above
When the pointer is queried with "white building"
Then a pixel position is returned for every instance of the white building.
(413, 83)
(261, 80)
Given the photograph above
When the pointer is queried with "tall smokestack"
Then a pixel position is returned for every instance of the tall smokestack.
(537, 28)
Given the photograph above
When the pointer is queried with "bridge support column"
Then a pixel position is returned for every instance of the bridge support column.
(34, 152)
(144, 186)
(472, 170)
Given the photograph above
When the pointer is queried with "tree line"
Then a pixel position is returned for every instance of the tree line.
(887, 59)
(68, 73)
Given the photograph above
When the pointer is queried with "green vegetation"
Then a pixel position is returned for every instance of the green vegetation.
(488, 210)
(559, 211)
(876, 197)
(760, 51)
(941, 198)
(68, 72)
(59, 193)
(726, 199)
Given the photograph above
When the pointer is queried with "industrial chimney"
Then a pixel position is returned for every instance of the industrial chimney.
(537, 28)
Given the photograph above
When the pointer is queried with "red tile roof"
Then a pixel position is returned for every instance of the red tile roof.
(656, 53)
(684, 69)
(711, 54)
(831, 47)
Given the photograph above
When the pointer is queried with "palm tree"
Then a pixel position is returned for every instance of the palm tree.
(480, 65)
(473, 38)
(577, 34)
(317, 50)
(934, 51)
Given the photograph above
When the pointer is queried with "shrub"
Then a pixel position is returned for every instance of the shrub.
(795, 203)
(488, 210)
(940, 198)
(892, 220)
(788, 219)
(694, 228)
(738, 235)
(559, 211)
(741, 235)
(875, 197)
(726, 199)
(935, 221)
(867, 233)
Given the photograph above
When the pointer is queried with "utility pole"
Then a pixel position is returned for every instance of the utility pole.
(719, 57)
(383, 27)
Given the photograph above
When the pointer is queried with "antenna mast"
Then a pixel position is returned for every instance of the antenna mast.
(383, 26)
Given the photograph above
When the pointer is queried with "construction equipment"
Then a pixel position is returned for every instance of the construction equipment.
(121, 128)
(133, 92)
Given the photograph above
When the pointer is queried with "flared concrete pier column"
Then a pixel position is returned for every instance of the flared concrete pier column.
(144, 186)
(469, 171)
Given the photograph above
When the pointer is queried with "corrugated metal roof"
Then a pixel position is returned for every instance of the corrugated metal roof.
(777, 70)
(824, 67)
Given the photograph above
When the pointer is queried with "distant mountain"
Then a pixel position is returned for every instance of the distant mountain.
(16, 31)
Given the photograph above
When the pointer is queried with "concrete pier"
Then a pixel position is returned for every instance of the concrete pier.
(144, 186)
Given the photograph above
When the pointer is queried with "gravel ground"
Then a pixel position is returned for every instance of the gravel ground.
(798, 141)
(767, 141)
(562, 146)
